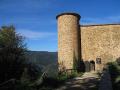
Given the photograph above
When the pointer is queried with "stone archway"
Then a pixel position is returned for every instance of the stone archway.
(92, 65)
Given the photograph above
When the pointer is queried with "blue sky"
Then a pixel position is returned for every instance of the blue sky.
(36, 19)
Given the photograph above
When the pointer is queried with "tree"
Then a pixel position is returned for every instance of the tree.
(12, 54)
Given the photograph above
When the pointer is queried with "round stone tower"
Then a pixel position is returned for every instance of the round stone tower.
(68, 40)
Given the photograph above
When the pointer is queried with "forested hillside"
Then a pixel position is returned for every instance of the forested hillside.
(41, 57)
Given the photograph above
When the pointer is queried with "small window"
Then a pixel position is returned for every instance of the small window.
(98, 60)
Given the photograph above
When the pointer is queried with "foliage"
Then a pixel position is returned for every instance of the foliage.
(78, 65)
(31, 73)
(19, 74)
(16, 72)
(117, 80)
(118, 60)
(114, 69)
(12, 49)
(99, 74)
(54, 82)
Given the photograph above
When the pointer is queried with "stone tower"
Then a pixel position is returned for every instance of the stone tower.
(68, 40)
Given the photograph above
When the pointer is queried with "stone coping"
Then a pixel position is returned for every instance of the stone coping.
(98, 25)
(68, 13)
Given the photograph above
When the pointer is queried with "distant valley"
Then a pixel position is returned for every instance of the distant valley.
(42, 57)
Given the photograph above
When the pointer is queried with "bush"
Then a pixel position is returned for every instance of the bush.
(118, 60)
(59, 80)
(114, 70)
(12, 54)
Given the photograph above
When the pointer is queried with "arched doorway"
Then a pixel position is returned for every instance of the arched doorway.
(92, 65)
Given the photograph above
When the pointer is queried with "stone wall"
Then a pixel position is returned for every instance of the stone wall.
(100, 41)
(87, 42)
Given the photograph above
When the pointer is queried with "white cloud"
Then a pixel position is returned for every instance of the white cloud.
(30, 34)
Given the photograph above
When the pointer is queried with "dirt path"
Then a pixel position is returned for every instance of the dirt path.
(89, 81)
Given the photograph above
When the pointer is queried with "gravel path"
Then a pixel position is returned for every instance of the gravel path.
(89, 81)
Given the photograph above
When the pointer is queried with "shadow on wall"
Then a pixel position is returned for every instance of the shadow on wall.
(89, 66)
(83, 66)
(78, 64)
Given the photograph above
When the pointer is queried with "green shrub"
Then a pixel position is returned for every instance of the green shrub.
(12, 54)
(117, 80)
(118, 60)
(54, 82)
(114, 69)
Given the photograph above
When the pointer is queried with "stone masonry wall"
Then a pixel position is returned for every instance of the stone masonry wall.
(100, 41)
